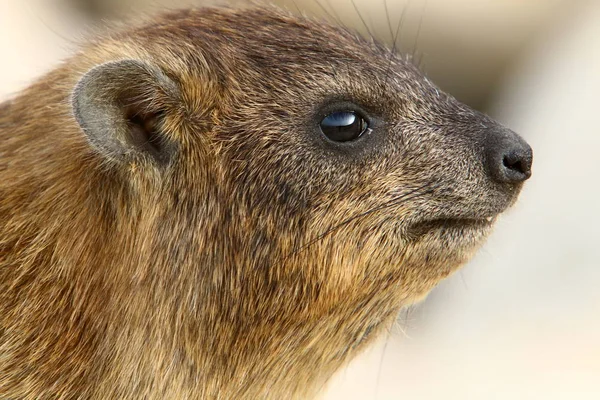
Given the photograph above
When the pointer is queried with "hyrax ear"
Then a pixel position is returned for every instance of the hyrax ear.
(121, 107)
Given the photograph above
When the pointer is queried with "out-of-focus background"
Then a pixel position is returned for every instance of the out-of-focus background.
(522, 320)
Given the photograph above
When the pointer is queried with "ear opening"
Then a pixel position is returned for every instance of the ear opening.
(121, 107)
(145, 133)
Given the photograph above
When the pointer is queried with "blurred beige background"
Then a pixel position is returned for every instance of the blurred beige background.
(522, 320)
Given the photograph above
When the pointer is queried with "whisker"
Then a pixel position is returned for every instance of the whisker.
(393, 50)
(388, 18)
(333, 9)
(300, 13)
(331, 14)
(402, 323)
(34, 12)
(362, 20)
(399, 27)
(380, 368)
(415, 44)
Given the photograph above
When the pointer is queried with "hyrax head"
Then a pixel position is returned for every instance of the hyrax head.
(299, 174)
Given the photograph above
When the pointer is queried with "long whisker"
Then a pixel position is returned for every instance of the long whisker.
(362, 20)
(331, 14)
(300, 13)
(388, 18)
(399, 27)
(418, 35)
(393, 50)
(380, 368)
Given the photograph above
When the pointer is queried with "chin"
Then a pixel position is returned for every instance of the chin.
(436, 249)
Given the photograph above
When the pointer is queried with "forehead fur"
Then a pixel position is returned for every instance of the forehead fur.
(271, 48)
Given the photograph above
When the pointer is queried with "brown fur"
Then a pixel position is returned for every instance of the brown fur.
(256, 260)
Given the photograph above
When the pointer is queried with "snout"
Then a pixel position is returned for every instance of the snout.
(508, 157)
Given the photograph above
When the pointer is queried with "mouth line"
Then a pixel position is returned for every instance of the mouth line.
(451, 224)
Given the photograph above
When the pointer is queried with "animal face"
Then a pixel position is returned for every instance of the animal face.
(326, 159)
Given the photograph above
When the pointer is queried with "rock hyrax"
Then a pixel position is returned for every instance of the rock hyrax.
(224, 204)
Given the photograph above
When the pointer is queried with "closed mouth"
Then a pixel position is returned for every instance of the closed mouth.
(450, 225)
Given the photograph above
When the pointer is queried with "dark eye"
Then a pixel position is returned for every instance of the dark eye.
(343, 126)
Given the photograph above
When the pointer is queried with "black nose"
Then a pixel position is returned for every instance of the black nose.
(508, 156)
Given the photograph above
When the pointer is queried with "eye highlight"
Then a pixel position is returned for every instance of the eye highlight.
(343, 126)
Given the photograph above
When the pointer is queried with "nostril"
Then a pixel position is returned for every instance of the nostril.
(514, 163)
(517, 166)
